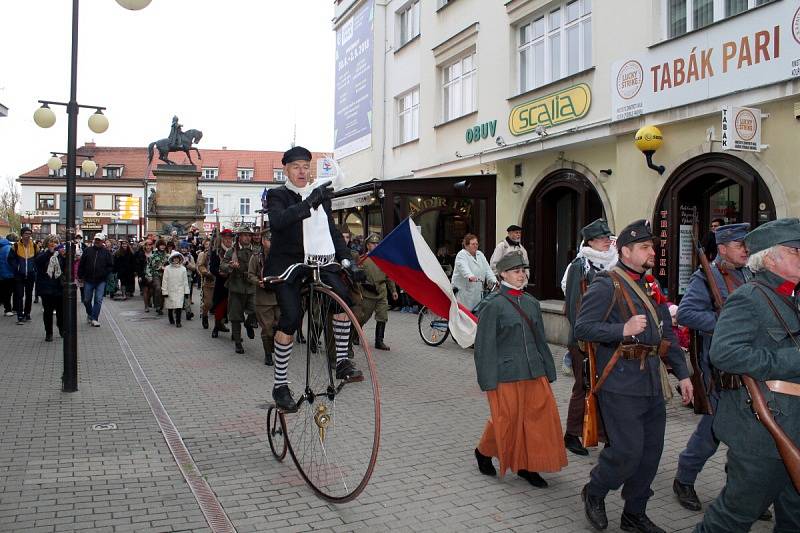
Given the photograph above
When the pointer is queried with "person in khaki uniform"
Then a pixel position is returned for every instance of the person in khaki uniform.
(241, 293)
(206, 280)
(267, 309)
(374, 291)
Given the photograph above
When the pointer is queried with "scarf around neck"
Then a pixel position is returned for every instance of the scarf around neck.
(594, 260)
(317, 240)
(54, 267)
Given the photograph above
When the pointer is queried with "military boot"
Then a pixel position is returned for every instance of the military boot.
(268, 344)
(380, 329)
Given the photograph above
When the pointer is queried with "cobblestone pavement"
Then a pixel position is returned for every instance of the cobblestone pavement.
(58, 474)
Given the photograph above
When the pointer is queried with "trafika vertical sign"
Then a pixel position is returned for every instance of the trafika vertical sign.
(741, 129)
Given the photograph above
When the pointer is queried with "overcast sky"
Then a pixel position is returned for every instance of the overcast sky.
(242, 71)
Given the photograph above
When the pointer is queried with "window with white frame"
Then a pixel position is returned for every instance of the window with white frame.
(555, 44)
(278, 175)
(244, 206)
(244, 174)
(408, 19)
(45, 201)
(210, 173)
(459, 88)
(688, 15)
(408, 116)
(441, 3)
(208, 205)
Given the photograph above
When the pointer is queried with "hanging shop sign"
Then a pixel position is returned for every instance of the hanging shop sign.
(353, 200)
(481, 131)
(129, 207)
(741, 129)
(758, 48)
(556, 108)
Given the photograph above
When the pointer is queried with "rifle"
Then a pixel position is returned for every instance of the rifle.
(701, 403)
(591, 431)
(788, 450)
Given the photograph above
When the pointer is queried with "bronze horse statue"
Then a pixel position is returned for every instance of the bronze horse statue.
(183, 144)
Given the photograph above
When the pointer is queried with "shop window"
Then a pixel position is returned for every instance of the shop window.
(244, 206)
(45, 201)
(408, 21)
(688, 15)
(459, 88)
(208, 205)
(555, 44)
(210, 173)
(408, 116)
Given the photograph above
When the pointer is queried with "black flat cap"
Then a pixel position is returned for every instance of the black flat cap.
(598, 228)
(513, 227)
(295, 153)
(638, 231)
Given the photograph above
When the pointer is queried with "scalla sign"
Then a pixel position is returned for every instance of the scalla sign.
(482, 131)
(557, 108)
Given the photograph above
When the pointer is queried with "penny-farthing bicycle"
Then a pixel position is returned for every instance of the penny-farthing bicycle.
(334, 436)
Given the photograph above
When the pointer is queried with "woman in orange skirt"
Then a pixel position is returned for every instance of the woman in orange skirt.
(515, 368)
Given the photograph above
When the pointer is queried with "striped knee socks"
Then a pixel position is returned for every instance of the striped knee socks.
(282, 354)
(341, 333)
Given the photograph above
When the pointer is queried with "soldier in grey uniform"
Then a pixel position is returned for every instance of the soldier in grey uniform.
(630, 330)
(756, 335)
(241, 293)
(375, 290)
(267, 309)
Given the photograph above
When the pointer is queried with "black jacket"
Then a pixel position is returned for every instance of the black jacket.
(124, 265)
(287, 211)
(45, 285)
(96, 264)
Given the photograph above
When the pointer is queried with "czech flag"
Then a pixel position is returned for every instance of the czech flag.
(405, 257)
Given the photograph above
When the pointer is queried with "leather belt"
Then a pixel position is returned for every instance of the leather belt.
(784, 387)
(637, 351)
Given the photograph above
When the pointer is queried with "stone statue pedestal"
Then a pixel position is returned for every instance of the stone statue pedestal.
(178, 203)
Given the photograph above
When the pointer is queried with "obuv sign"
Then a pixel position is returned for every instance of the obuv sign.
(481, 131)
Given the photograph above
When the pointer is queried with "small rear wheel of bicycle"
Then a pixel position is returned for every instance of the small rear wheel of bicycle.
(275, 433)
(334, 436)
(432, 328)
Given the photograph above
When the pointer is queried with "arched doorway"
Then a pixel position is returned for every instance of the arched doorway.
(704, 188)
(563, 203)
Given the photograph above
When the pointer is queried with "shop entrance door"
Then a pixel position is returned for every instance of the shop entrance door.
(559, 207)
(709, 187)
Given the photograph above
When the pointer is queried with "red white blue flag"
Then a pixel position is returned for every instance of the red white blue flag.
(406, 258)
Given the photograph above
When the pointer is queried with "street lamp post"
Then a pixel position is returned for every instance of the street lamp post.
(98, 123)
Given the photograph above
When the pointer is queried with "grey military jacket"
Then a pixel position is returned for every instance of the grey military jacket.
(627, 377)
(749, 339)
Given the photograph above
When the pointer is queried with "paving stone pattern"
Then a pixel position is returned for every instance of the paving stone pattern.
(57, 474)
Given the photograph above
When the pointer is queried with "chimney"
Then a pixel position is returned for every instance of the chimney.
(91, 145)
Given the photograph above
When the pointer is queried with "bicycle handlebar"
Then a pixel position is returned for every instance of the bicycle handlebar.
(287, 274)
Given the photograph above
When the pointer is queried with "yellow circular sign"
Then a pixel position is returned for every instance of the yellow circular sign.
(648, 139)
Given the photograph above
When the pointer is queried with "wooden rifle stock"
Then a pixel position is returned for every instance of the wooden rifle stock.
(701, 403)
(788, 450)
(591, 433)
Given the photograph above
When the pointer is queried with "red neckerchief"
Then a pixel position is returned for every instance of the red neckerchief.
(785, 289)
(514, 292)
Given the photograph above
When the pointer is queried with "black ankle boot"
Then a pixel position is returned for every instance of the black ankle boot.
(380, 330)
(687, 497)
(205, 321)
(639, 523)
(573, 444)
(533, 478)
(485, 465)
(595, 509)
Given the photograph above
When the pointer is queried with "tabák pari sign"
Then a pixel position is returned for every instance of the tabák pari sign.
(754, 49)
(556, 108)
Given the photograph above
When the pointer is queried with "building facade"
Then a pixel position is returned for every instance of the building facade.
(114, 200)
(545, 98)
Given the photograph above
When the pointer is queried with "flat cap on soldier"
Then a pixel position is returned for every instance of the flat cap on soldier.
(510, 261)
(295, 153)
(638, 231)
(731, 232)
(247, 230)
(598, 228)
(784, 231)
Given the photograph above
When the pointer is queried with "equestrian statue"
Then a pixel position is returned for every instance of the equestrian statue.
(178, 141)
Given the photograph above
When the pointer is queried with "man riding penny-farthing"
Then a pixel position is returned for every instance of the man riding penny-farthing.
(332, 428)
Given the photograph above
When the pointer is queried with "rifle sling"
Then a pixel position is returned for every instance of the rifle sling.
(777, 313)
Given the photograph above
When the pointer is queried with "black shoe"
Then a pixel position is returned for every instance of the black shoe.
(189, 316)
(239, 348)
(171, 320)
(766, 516)
(214, 333)
(178, 325)
(283, 399)
(533, 478)
(48, 337)
(379, 345)
(300, 338)
(573, 444)
(221, 327)
(251, 334)
(687, 497)
(346, 370)
(268, 359)
(205, 322)
(595, 509)
(355, 340)
(639, 523)
(485, 465)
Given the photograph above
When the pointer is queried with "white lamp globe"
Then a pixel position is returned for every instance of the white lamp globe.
(98, 122)
(54, 163)
(89, 167)
(44, 117)
(134, 5)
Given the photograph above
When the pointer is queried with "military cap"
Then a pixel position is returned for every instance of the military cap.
(511, 260)
(731, 232)
(244, 229)
(513, 227)
(638, 231)
(226, 231)
(598, 228)
(373, 238)
(784, 231)
(295, 153)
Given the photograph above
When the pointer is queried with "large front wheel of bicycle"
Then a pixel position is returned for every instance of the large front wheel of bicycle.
(432, 328)
(334, 436)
